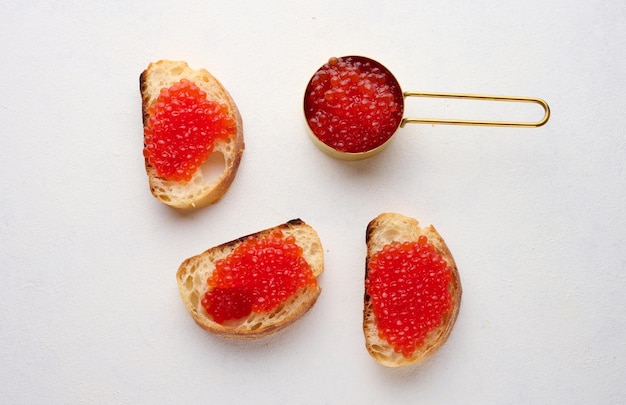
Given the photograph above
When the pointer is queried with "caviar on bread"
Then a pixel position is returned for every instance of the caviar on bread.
(192, 128)
(412, 291)
(255, 285)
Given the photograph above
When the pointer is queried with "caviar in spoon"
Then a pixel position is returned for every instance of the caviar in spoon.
(353, 106)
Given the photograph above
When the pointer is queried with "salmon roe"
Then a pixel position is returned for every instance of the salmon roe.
(182, 128)
(353, 104)
(258, 276)
(408, 287)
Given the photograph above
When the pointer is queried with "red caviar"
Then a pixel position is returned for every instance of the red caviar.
(258, 276)
(182, 128)
(353, 104)
(408, 287)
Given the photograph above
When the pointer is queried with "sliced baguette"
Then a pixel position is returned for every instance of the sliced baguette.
(202, 189)
(384, 230)
(193, 273)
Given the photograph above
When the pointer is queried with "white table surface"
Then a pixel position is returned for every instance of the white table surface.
(89, 307)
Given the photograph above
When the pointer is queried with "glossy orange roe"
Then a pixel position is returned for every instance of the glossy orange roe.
(182, 128)
(353, 104)
(258, 276)
(408, 287)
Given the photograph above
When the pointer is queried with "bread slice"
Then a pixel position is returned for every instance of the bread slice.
(202, 189)
(193, 273)
(384, 230)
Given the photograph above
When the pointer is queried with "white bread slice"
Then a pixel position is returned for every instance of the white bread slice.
(199, 191)
(386, 229)
(193, 273)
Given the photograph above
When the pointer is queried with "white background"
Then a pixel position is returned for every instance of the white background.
(89, 307)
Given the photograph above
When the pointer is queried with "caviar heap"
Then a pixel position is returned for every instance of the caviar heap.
(353, 104)
(258, 276)
(182, 128)
(408, 287)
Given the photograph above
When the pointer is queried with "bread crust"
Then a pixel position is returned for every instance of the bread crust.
(199, 191)
(381, 231)
(194, 272)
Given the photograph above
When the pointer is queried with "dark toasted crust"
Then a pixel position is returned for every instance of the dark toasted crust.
(285, 315)
(379, 349)
(287, 225)
(143, 87)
